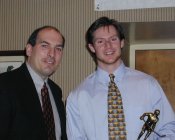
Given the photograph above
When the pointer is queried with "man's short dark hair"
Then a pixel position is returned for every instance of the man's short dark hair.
(102, 22)
(33, 37)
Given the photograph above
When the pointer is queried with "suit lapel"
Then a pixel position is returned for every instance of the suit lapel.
(57, 94)
(57, 98)
(29, 98)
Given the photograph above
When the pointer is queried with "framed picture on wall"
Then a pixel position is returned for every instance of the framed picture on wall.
(10, 60)
(157, 60)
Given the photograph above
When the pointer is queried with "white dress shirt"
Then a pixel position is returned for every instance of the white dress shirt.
(87, 116)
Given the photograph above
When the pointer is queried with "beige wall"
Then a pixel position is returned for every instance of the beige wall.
(18, 18)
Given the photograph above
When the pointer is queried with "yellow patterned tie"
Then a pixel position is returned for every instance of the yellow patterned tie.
(116, 120)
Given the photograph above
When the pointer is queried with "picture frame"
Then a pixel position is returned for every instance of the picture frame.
(10, 60)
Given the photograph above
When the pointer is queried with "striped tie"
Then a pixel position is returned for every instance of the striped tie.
(48, 113)
(116, 119)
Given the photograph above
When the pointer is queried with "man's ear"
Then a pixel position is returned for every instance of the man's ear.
(122, 43)
(29, 49)
(91, 48)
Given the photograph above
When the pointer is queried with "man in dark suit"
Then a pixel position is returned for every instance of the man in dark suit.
(21, 102)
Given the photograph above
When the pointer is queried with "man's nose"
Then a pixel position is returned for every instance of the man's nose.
(51, 52)
(107, 43)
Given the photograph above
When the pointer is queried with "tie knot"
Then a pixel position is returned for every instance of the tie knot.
(112, 86)
(112, 76)
(44, 89)
(44, 84)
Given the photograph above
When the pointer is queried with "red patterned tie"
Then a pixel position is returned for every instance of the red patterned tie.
(48, 113)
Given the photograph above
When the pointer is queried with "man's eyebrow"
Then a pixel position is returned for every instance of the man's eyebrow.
(44, 42)
(59, 45)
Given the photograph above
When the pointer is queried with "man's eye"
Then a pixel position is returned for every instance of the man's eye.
(114, 38)
(59, 49)
(99, 41)
(44, 45)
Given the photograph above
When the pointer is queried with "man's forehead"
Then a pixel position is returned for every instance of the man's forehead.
(49, 35)
(48, 31)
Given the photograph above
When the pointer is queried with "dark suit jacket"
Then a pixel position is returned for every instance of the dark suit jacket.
(20, 110)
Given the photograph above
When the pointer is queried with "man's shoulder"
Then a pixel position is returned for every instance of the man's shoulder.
(85, 85)
(8, 75)
(138, 74)
(89, 80)
(11, 77)
(52, 84)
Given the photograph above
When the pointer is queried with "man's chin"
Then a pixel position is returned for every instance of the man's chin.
(48, 72)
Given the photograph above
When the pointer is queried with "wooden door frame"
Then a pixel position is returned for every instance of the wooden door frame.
(134, 48)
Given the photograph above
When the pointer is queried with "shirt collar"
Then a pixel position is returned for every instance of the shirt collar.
(103, 76)
(38, 81)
